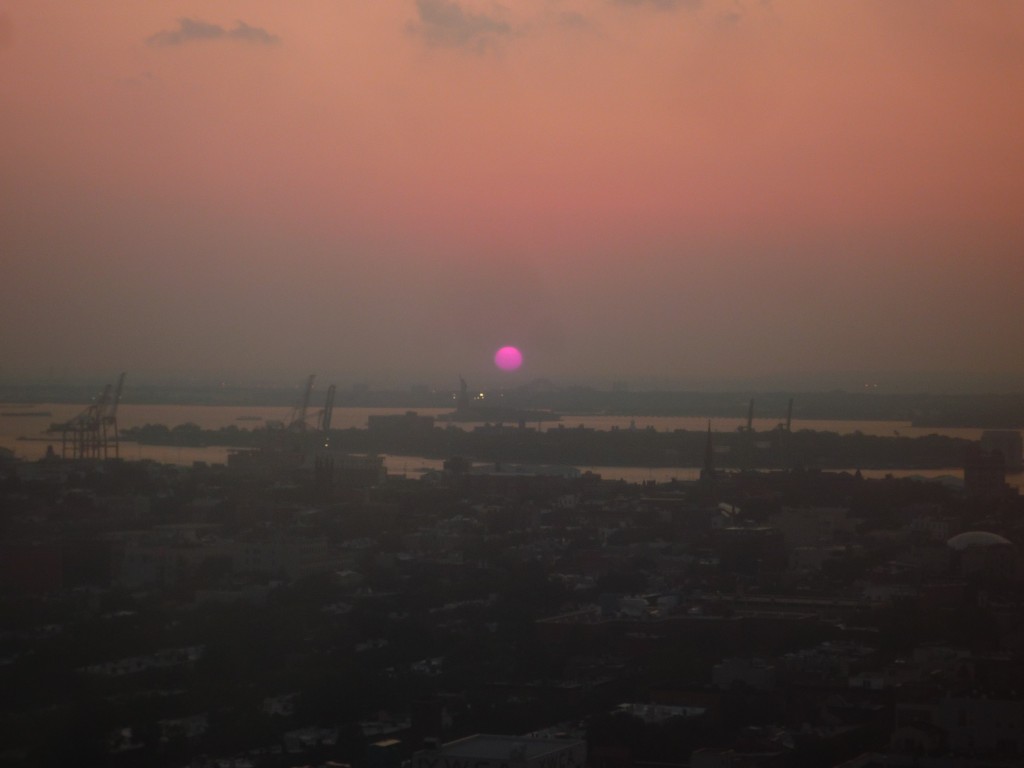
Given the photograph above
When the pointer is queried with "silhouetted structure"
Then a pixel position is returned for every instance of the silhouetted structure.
(984, 472)
(1008, 442)
(708, 475)
(93, 434)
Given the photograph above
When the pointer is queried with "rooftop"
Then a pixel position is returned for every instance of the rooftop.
(491, 747)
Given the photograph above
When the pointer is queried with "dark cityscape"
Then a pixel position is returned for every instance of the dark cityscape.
(300, 604)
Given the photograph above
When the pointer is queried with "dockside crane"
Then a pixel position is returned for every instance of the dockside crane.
(89, 434)
(108, 422)
(298, 419)
(328, 412)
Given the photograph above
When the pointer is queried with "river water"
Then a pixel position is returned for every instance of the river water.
(26, 434)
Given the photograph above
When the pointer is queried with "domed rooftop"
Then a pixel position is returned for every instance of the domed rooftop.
(970, 539)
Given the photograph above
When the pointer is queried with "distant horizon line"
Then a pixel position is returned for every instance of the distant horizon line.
(893, 383)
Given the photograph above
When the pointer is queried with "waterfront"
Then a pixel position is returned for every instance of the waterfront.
(27, 437)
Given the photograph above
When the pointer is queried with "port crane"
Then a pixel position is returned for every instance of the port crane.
(328, 412)
(297, 423)
(301, 419)
(93, 434)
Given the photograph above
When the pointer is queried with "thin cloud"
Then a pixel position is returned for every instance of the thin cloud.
(146, 78)
(446, 23)
(196, 30)
(663, 5)
(243, 31)
(574, 20)
(729, 18)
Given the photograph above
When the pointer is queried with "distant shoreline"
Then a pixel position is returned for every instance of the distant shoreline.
(991, 411)
(774, 449)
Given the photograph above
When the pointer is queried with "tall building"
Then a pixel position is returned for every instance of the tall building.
(1007, 442)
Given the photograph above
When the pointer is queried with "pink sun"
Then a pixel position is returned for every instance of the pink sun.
(508, 358)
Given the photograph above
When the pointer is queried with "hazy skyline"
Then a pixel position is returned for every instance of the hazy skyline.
(623, 189)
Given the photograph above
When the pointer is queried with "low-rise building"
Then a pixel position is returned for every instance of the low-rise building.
(490, 751)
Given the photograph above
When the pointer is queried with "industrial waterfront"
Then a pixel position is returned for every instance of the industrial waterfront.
(27, 436)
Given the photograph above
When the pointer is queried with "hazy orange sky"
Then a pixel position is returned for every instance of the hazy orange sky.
(387, 192)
